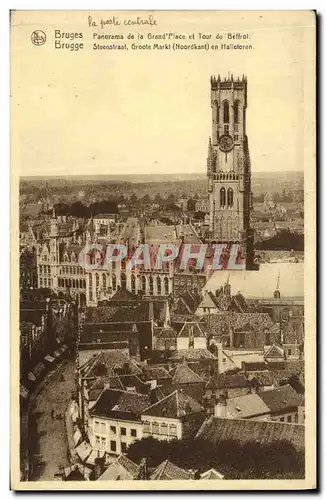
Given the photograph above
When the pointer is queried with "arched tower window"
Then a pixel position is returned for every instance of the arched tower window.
(97, 278)
(158, 284)
(222, 197)
(114, 281)
(104, 281)
(226, 112)
(236, 112)
(151, 285)
(133, 283)
(166, 285)
(230, 197)
(217, 111)
(123, 281)
(143, 283)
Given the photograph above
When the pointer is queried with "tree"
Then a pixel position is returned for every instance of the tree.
(231, 458)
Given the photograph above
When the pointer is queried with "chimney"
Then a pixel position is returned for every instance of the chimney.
(220, 407)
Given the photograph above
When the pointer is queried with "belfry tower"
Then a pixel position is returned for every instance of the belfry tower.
(228, 166)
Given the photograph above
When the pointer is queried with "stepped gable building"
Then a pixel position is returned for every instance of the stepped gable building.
(228, 166)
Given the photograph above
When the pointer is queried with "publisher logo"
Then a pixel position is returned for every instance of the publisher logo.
(38, 37)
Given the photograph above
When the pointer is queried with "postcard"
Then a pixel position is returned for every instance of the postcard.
(163, 259)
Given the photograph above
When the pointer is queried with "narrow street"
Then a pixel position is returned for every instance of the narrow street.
(51, 446)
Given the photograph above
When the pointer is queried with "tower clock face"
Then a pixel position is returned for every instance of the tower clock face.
(226, 142)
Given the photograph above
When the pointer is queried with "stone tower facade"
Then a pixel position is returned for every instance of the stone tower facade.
(228, 165)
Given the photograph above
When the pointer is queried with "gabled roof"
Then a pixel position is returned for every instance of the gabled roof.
(155, 372)
(211, 474)
(246, 406)
(97, 387)
(209, 301)
(168, 471)
(281, 398)
(175, 405)
(107, 363)
(123, 295)
(222, 322)
(191, 329)
(274, 351)
(183, 374)
(121, 469)
(114, 402)
(193, 355)
(165, 332)
(231, 380)
(216, 429)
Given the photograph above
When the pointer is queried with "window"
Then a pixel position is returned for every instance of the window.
(133, 284)
(158, 281)
(226, 129)
(133, 433)
(173, 430)
(113, 446)
(147, 427)
(114, 281)
(230, 197)
(236, 137)
(97, 426)
(113, 429)
(103, 428)
(236, 128)
(222, 197)
(289, 352)
(103, 443)
(166, 286)
(123, 431)
(155, 428)
(164, 429)
(97, 441)
(151, 285)
(104, 281)
(226, 116)
(289, 419)
(123, 447)
(282, 419)
(236, 112)
(123, 281)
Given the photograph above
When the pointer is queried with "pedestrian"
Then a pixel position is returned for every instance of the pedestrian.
(52, 413)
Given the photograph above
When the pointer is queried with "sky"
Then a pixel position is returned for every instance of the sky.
(106, 112)
(262, 283)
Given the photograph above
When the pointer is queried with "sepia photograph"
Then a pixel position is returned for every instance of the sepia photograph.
(163, 259)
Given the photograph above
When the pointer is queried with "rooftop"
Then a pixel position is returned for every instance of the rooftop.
(175, 405)
(168, 471)
(245, 430)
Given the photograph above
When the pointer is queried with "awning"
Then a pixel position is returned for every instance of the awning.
(38, 369)
(83, 450)
(49, 358)
(24, 392)
(74, 412)
(77, 437)
(56, 354)
(31, 376)
(65, 347)
(62, 349)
